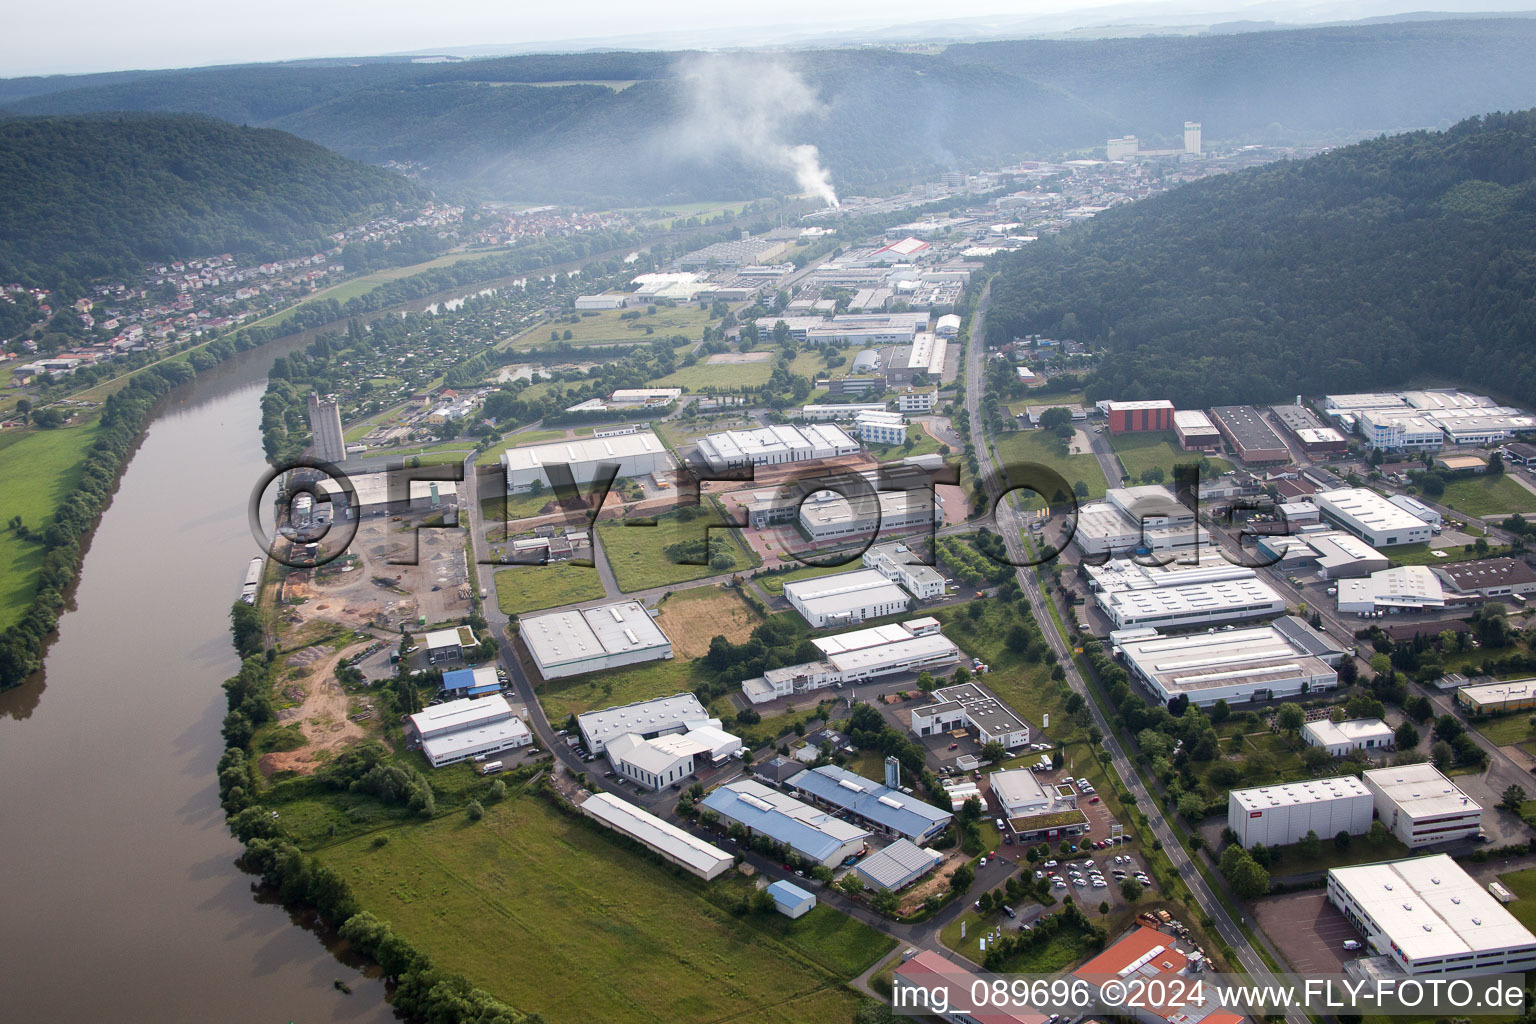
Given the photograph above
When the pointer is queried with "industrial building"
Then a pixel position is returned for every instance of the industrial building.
(1490, 578)
(1151, 958)
(897, 866)
(1407, 588)
(791, 900)
(646, 719)
(1371, 517)
(657, 762)
(1251, 439)
(775, 445)
(917, 399)
(1421, 806)
(1431, 918)
(1036, 811)
(1334, 553)
(870, 803)
(896, 562)
(446, 645)
(811, 833)
(1286, 658)
(472, 682)
(1195, 431)
(326, 438)
(821, 413)
(1315, 438)
(1497, 698)
(1339, 738)
(569, 643)
(391, 493)
(607, 300)
(1212, 592)
(661, 837)
(1282, 815)
(881, 427)
(458, 730)
(1416, 508)
(1427, 419)
(1137, 417)
(846, 597)
(912, 646)
(1133, 519)
(929, 984)
(970, 706)
(828, 515)
(636, 455)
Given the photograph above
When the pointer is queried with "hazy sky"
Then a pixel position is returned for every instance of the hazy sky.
(61, 36)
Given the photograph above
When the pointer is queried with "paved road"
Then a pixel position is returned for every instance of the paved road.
(1008, 523)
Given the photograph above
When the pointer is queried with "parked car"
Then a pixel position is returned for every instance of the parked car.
(982, 863)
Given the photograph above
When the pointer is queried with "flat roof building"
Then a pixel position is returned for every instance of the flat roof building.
(1035, 810)
(569, 643)
(1371, 517)
(807, 831)
(1136, 417)
(911, 646)
(661, 837)
(636, 455)
(1139, 518)
(897, 866)
(1282, 815)
(775, 444)
(1416, 508)
(479, 681)
(1257, 663)
(449, 644)
(661, 761)
(846, 598)
(1497, 698)
(646, 718)
(1251, 438)
(828, 515)
(1212, 592)
(1407, 588)
(1421, 806)
(971, 706)
(1339, 738)
(898, 563)
(889, 810)
(458, 730)
(1431, 918)
(1195, 431)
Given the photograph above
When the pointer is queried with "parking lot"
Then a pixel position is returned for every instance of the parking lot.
(1309, 930)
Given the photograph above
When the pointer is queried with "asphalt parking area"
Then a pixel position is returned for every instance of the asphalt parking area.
(1309, 930)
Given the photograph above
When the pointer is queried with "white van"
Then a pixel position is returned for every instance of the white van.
(490, 768)
(1351, 945)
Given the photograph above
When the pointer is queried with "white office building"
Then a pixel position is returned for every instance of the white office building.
(822, 413)
(570, 643)
(1282, 815)
(1421, 806)
(774, 445)
(1431, 918)
(897, 563)
(1214, 591)
(646, 719)
(846, 598)
(660, 761)
(1371, 517)
(971, 706)
(458, 730)
(636, 455)
(917, 399)
(912, 646)
(1371, 735)
(881, 427)
(1286, 658)
(682, 848)
(828, 515)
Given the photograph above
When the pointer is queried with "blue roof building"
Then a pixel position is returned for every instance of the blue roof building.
(889, 810)
(472, 682)
(811, 833)
(790, 899)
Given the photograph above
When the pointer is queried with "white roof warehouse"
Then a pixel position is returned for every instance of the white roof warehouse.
(1257, 663)
(457, 730)
(591, 639)
(661, 837)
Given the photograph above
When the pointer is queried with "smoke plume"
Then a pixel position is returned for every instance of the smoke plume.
(749, 107)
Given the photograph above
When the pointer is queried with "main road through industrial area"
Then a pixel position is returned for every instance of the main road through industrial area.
(1008, 523)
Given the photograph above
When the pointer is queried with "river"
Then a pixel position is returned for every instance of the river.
(121, 897)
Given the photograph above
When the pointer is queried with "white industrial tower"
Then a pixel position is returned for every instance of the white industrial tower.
(1192, 138)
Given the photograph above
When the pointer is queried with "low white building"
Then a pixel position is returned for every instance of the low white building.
(603, 301)
(569, 643)
(1282, 815)
(896, 562)
(1421, 806)
(912, 646)
(1286, 658)
(449, 644)
(1131, 519)
(661, 761)
(971, 706)
(1416, 508)
(829, 515)
(1339, 738)
(846, 598)
(881, 427)
(661, 837)
(1371, 517)
(458, 730)
(775, 444)
(917, 399)
(646, 718)
(1212, 592)
(791, 900)
(1431, 918)
(1407, 588)
(635, 455)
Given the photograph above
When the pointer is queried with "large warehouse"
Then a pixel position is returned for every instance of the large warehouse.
(661, 837)
(1258, 663)
(646, 719)
(607, 636)
(872, 803)
(774, 445)
(1421, 806)
(1134, 518)
(846, 598)
(1195, 431)
(1213, 592)
(1138, 417)
(637, 455)
(1407, 588)
(1498, 698)
(458, 730)
(809, 832)
(1431, 918)
(827, 515)
(1371, 517)
(912, 646)
(1251, 439)
(1282, 815)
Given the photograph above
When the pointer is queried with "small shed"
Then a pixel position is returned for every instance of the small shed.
(791, 900)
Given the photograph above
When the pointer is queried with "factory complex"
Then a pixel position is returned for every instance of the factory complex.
(1285, 658)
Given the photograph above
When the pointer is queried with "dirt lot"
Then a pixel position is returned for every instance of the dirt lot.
(1309, 930)
(691, 618)
(323, 715)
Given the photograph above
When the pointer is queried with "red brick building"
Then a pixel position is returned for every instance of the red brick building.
(1135, 417)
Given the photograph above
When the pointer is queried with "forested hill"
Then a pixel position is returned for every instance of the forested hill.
(96, 196)
(1369, 266)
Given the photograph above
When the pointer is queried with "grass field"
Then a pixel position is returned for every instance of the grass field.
(703, 375)
(37, 468)
(561, 698)
(553, 916)
(1507, 730)
(1423, 554)
(775, 584)
(924, 444)
(1488, 495)
(1141, 452)
(692, 618)
(1523, 885)
(527, 588)
(606, 328)
(1037, 446)
(638, 555)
